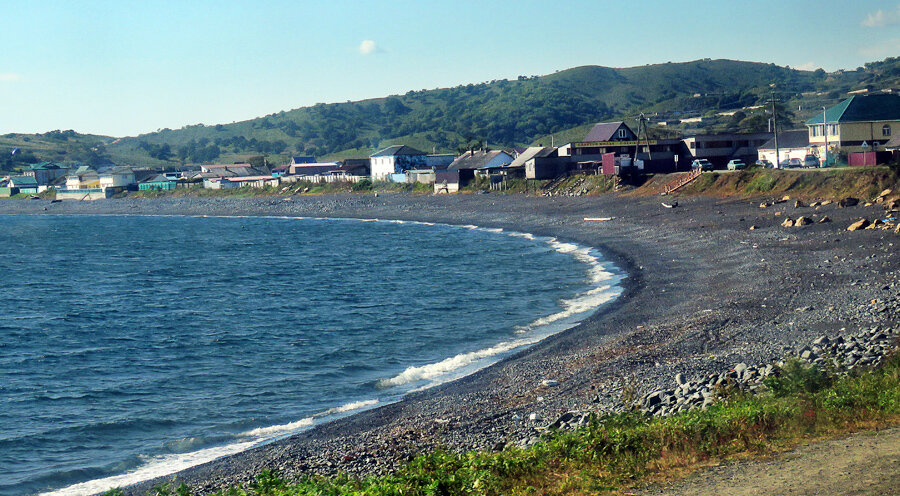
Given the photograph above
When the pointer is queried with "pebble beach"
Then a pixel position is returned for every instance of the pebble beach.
(715, 288)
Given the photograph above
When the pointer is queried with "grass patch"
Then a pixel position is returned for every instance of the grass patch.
(631, 449)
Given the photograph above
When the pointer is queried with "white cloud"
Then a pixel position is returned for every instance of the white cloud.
(881, 49)
(367, 47)
(881, 18)
(809, 66)
(10, 77)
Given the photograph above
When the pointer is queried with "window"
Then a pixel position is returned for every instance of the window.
(622, 133)
(886, 130)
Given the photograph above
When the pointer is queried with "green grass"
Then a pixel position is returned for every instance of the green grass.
(630, 449)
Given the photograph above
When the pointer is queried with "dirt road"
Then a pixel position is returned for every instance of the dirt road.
(866, 463)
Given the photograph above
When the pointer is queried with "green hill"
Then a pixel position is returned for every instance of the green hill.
(504, 113)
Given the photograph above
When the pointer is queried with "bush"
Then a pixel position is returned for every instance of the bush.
(796, 378)
(363, 185)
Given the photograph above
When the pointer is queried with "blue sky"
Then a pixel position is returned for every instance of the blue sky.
(124, 68)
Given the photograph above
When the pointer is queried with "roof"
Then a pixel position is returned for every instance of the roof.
(605, 131)
(797, 138)
(158, 179)
(45, 165)
(249, 178)
(397, 150)
(303, 160)
(475, 160)
(532, 152)
(894, 142)
(23, 181)
(861, 108)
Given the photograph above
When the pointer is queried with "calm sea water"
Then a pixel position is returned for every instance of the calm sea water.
(132, 347)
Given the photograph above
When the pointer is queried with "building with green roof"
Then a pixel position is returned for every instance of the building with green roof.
(861, 123)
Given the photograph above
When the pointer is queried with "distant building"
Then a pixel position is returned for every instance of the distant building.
(25, 184)
(159, 182)
(791, 144)
(470, 163)
(722, 147)
(83, 178)
(540, 162)
(656, 155)
(396, 160)
(857, 124)
(117, 177)
(302, 160)
(45, 172)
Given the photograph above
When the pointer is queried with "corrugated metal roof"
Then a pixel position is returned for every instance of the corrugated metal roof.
(475, 160)
(605, 131)
(861, 108)
(796, 138)
(532, 152)
(397, 150)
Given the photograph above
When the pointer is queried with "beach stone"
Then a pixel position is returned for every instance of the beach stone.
(789, 222)
(799, 204)
(848, 202)
(680, 379)
(550, 382)
(824, 219)
(860, 224)
(803, 221)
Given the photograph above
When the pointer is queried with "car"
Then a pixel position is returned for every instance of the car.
(810, 161)
(765, 164)
(790, 162)
(702, 164)
(736, 164)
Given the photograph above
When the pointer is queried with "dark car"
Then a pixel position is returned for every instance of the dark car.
(702, 164)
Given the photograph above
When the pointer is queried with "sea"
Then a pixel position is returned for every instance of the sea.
(132, 347)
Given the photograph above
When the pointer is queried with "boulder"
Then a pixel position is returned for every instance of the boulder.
(885, 193)
(860, 224)
(765, 205)
(848, 202)
(799, 204)
(803, 221)
(789, 222)
(824, 219)
(680, 379)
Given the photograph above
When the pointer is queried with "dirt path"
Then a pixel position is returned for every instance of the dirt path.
(866, 463)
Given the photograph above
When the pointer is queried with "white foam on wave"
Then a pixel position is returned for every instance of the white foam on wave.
(155, 467)
(279, 429)
(604, 288)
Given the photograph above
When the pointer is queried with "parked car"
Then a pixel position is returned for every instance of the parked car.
(790, 162)
(810, 161)
(766, 164)
(736, 164)
(702, 164)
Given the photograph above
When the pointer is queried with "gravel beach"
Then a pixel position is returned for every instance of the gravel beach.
(704, 292)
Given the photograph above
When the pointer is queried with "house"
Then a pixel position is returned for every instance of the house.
(861, 123)
(540, 162)
(159, 182)
(791, 144)
(439, 161)
(396, 159)
(475, 162)
(722, 147)
(25, 184)
(83, 178)
(302, 160)
(656, 155)
(446, 182)
(239, 182)
(311, 168)
(117, 177)
(45, 172)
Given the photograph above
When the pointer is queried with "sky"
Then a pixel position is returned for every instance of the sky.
(122, 68)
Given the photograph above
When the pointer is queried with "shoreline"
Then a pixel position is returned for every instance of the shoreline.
(702, 292)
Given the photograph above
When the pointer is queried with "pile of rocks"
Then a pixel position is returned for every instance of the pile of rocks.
(866, 348)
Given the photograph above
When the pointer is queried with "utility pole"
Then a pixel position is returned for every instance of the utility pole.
(775, 130)
(825, 133)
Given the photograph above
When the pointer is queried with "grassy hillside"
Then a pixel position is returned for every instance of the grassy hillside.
(502, 113)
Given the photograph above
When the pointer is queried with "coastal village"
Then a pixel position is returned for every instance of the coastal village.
(863, 129)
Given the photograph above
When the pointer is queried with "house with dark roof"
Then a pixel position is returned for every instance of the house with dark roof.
(302, 160)
(657, 155)
(159, 183)
(396, 159)
(474, 162)
(45, 172)
(861, 123)
(791, 144)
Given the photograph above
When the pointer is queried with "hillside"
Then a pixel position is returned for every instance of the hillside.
(501, 113)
